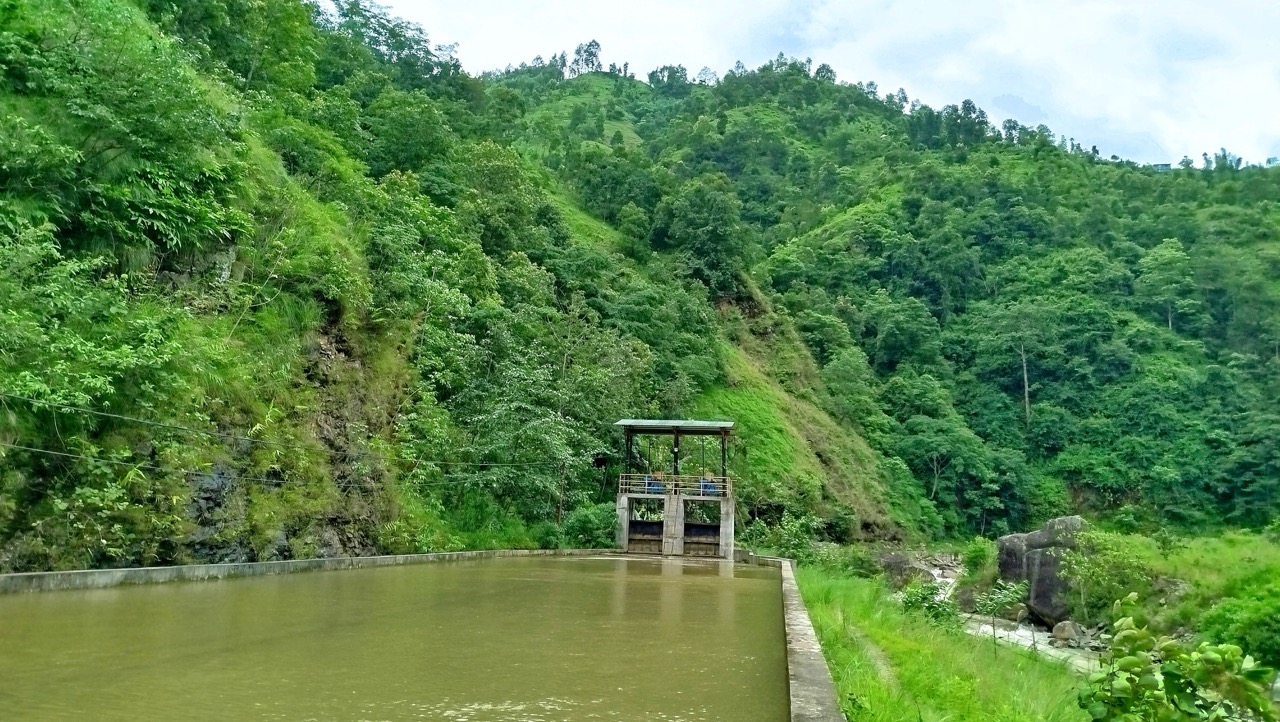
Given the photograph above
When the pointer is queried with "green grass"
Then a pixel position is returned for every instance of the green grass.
(1233, 564)
(1220, 565)
(584, 227)
(889, 665)
(793, 452)
(780, 462)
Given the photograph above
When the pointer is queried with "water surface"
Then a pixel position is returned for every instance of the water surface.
(531, 639)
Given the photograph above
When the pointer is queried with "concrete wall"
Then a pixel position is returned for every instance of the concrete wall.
(673, 526)
(673, 518)
(100, 578)
(813, 693)
(726, 528)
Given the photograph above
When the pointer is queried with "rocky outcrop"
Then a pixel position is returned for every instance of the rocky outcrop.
(1036, 557)
(902, 569)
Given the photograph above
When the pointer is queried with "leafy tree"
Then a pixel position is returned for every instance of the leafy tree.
(1165, 280)
(670, 81)
(407, 132)
(591, 527)
(948, 457)
(702, 219)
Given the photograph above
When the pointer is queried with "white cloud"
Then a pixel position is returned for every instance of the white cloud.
(1150, 80)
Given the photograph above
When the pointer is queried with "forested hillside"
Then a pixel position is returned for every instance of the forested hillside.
(285, 281)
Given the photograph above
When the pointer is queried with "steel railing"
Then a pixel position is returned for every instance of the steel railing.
(667, 485)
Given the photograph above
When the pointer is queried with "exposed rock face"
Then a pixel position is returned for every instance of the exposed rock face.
(1036, 558)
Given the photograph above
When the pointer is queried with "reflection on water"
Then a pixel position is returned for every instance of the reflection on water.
(534, 639)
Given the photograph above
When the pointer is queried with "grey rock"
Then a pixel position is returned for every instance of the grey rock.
(1069, 631)
(277, 548)
(1275, 690)
(901, 569)
(1011, 556)
(1056, 533)
(1036, 558)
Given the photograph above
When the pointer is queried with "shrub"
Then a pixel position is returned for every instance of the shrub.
(977, 555)
(925, 599)
(855, 561)
(792, 537)
(841, 527)
(591, 527)
(547, 535)
(1252, 623)
(1103, 567)
(1148, 678)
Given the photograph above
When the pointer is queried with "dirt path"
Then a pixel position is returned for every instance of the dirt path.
(877, 657)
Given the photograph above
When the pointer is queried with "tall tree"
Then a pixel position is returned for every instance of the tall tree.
(1165, 280)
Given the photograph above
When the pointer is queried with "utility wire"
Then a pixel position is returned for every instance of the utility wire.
(268, 442)
(135, 465)
(172, 470)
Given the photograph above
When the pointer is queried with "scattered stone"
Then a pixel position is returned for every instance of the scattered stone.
(1036, 558)
(1069, 631)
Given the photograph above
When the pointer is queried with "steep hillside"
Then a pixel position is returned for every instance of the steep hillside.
(276, 290)
(283, 282)
(1027, 327)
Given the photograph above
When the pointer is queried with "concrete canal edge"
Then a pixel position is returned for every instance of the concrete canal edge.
(103, 578)
(812, 693)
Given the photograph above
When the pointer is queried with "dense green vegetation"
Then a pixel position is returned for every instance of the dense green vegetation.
(1027, 327)
(1223, 586)
(299, 242)
(283, 281)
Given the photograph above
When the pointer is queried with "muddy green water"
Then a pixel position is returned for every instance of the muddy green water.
(562, 639)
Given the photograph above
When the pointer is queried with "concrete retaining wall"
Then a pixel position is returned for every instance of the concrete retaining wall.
(813, 693)
(100, 578)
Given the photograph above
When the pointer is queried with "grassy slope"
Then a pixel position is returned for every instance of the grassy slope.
(890, 666)
(793, 449)
(1235, 564)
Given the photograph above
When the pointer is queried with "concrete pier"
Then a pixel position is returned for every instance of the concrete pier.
(674, 535)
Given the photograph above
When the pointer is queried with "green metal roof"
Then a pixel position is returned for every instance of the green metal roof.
(672, 426)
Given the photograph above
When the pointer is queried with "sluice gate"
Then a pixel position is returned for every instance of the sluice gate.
(664, 511)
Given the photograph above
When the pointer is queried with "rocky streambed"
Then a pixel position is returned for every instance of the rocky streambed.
(1075, 653)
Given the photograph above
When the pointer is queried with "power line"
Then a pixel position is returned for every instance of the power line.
(160, 424)
(248, 439)
(173, 470)
(135, 465)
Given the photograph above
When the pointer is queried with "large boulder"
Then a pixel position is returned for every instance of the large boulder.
(1069, 631)
(1036, 558)
(902, 569)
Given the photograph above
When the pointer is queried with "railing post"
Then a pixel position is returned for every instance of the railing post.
(675, 453)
